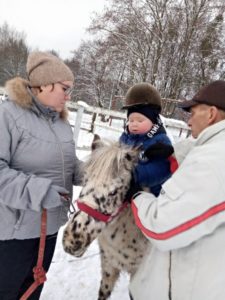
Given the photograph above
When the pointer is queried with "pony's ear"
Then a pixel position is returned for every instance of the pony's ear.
(96, 143)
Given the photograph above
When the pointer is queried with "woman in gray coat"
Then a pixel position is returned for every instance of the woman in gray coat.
(38, 167)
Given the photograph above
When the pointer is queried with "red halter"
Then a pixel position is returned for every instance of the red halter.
(98, 215)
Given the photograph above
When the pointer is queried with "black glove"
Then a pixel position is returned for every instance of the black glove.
(159, 150)
(133, 189)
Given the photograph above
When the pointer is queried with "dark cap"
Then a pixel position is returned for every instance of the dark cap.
(149, 111)
(212, 94)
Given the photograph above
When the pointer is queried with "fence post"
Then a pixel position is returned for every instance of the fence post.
(77, 124)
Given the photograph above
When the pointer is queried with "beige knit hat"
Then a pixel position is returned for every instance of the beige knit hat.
(44, 68)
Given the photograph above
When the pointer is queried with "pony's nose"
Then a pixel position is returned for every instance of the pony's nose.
(77, 245)
(72, 247)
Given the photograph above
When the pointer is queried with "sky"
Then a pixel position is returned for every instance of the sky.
(51, 24)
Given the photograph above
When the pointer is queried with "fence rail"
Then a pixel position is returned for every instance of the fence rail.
(182, 130)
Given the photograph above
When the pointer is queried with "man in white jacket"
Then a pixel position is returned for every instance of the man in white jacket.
(186, 222)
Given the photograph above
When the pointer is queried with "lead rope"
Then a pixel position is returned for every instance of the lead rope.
(38, 270)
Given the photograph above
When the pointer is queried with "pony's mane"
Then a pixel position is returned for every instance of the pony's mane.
(104, 162)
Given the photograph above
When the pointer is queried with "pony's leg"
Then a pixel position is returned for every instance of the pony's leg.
(109, 278)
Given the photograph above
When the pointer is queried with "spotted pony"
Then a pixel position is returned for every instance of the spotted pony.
(104, 214)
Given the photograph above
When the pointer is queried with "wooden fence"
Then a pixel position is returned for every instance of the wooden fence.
(181, 128)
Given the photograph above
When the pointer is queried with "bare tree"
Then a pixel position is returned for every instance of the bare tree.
(97, 73)
(175, 45)
(13, 53)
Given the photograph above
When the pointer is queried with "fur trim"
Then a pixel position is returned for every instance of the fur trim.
(16, 89)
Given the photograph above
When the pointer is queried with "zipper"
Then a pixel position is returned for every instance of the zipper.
(170, 279)
(61, 151)
(63, 164)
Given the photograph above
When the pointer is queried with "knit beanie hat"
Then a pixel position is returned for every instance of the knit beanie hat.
(142, 94)
(44, 68)
(149, 111)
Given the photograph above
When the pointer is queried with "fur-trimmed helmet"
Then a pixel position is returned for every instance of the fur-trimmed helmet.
(144, 94)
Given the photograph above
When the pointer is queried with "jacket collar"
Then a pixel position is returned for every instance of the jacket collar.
(210, 132)
(40, 109)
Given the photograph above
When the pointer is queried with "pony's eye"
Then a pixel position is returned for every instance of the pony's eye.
(113, 193)
(128, 157)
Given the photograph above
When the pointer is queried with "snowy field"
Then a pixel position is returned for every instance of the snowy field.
(71, 278)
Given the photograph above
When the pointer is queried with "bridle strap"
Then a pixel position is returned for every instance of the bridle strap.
(97, 214)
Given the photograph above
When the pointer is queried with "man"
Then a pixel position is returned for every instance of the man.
(186, 222)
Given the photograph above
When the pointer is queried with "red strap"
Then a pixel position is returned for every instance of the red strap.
(98, 215)
(38, 270)
(180, 228)
(173, 163)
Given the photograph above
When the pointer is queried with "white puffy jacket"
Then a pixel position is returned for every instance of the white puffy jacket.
(186, 225)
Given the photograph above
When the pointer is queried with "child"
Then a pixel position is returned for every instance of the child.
(145, 129)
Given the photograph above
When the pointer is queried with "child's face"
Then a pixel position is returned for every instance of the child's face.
(138, 123)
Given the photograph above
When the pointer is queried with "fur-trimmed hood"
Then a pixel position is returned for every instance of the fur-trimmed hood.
(16, 89)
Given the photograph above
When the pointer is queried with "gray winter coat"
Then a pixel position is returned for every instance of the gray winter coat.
(37, 162)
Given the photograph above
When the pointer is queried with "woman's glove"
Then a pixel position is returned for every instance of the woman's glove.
(55, 197)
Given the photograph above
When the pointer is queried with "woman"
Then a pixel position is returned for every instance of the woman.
(38, 166)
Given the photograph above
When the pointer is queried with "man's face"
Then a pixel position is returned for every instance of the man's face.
(199, 119)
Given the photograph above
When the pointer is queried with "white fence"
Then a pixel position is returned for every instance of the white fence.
(2, 94)
(115, 121)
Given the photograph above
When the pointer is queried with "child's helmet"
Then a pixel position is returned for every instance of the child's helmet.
(144, 94)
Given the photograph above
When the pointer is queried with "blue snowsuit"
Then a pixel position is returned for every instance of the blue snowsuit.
(149, 173)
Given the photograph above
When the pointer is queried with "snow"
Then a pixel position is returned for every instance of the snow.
(79, 278)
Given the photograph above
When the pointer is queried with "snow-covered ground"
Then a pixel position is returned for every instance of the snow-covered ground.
(71, 278)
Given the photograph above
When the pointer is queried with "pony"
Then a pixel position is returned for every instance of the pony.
(103, 214)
